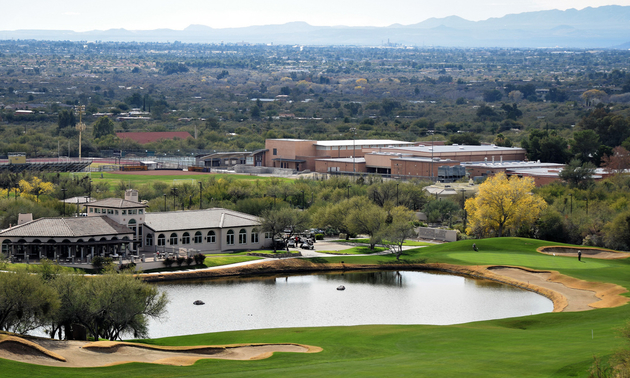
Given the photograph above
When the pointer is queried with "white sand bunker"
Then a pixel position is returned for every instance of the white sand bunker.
(103, 353)
(595, 253)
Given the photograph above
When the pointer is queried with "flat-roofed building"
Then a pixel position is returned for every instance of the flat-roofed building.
(300, 154)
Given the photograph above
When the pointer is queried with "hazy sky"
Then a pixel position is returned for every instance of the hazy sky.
(142, 14)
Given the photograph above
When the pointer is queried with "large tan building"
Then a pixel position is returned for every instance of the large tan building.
(301, 154)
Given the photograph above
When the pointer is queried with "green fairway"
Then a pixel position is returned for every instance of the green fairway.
(545, 345)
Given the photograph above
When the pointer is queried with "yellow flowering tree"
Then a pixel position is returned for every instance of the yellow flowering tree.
(503, 205)
(35, 188)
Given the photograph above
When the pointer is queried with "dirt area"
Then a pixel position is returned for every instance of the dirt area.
(596, 253)
(105, 353)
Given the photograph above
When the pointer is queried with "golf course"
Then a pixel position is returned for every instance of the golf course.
(557, 344)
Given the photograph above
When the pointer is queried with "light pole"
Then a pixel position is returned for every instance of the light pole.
(174, 197)
(200, 201)
(354, 149)
(80, 128)
(63, 190)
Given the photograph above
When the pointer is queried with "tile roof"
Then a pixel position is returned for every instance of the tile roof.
(198, 219)
(116, 203)
(67, 227)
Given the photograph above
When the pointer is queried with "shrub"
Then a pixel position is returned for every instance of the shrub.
(180, 260)
(168, 262)
(199, 258)
(319, 236)
(189, 260)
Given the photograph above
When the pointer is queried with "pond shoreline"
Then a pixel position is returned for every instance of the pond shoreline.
(608, 294)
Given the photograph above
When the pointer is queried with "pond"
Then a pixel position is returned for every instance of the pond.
(383, 297)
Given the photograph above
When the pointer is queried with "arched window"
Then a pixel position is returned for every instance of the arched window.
(230, 237)
(149, 240)
(211, 238)
(186, 238)
(6, 247)
(132, 225)
(173, 239)
(242, 236)
(254, 236)
(197, 237)
(161, 240)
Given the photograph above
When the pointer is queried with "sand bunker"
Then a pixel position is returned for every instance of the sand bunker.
(105, 353)
(567, 293)
(596, 253)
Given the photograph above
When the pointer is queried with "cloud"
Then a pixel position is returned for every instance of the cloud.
(72, 14)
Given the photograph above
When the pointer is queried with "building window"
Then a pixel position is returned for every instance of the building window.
(124, 212)
(211, 238)
(91, 210)
(132, 225)
(242, 236)
(254, 236)
(161, 240)
(230, 237)
(110, 211)
(115, 212)
(197, 237)
(267, 235)
(173, 239)
(140, 211)
(186, 238)
(275, 151)
(149, 241)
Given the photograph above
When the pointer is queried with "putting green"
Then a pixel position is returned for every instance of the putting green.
(528, 260)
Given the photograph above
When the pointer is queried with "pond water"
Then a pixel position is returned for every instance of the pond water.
(384, 297)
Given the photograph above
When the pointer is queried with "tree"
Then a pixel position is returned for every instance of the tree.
(400, 229)
(36, 187)
(65, 119)
(544, 146)
(26, 303)
(585, 145)
(578, 174)
(492, 95)
(283, 223)
(102, 127)
(503, 205)
(365, 217)
(618, 162)
(439, 210)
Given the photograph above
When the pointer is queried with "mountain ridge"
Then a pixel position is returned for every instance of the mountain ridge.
(600, 27)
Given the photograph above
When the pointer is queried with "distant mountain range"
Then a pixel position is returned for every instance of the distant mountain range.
(601, 27)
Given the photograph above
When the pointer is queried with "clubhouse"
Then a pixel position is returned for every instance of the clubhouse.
(121, 227)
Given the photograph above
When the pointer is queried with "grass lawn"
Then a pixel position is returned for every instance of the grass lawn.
(361, 250)
(410, 243)
(210, 261)
(545, 345)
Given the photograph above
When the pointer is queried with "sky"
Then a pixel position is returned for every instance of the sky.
(147, 15)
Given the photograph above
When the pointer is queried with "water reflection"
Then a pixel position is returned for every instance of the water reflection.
(379, 297)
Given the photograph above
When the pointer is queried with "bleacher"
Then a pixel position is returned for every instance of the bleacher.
(46, 167)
